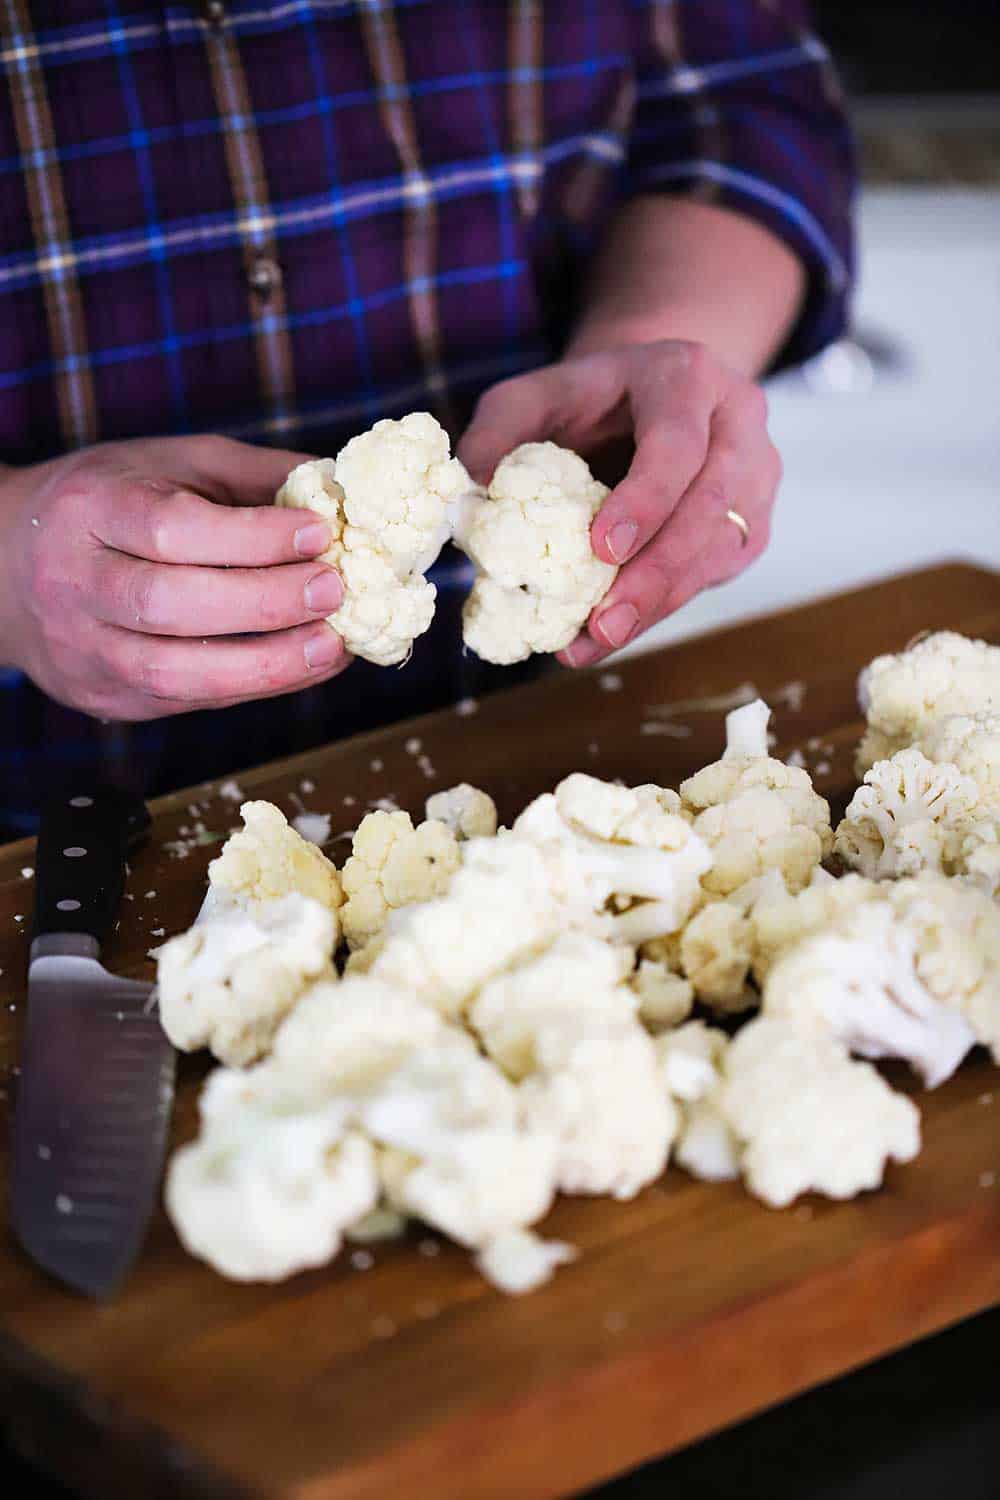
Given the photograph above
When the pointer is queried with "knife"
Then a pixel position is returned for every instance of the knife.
(97, 1072)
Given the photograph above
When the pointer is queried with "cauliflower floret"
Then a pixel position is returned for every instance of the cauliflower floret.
(756, 813)
(386, 499)
(860, 984)
(597, 1089)
(690, 1060)
(459, 1155)
(781, 920)
(267, 859)
(348, 1035)
(971, 742)
(665, 997)
(393, 864)
(957, 933)
(808, 1117)
(942, 675)
(227, 983)
(273, 1180)
(647, 815)
(716, 950)
(530, 538)
(910, 815)
(468, 812)
(520, 1261)
(578, 976)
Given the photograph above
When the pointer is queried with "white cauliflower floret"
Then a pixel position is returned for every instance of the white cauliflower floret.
(597, 1089)
(808, 1117)
(716, 951)
(393, 864)
(459, 1155)
(272, 1181)
(520, 1261)
(468, 812)
(902, 695)
(385, 499)
(755, 813)
(500, 906)
(781, 920)
(227, 983)
(690, 1060)
(592, 871)
(579, 977)
(530, 539)
(348, 1035)
(971, 742)
(860, 984)
(911, 814)
(957, 933)
(665, 997)
(267, 859)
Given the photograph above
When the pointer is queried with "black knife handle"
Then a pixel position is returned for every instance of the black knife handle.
(85, 837)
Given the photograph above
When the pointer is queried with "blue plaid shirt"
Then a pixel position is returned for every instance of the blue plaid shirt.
(284, 220)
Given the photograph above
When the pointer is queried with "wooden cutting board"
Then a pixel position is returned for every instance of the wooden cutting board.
(688, 1308)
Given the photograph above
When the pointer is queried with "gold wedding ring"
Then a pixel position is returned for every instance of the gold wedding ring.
(741, 523)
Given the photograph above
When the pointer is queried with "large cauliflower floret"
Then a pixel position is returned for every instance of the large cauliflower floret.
(755, 813)
(971, 742)
(911, 814)
(349, 1035)
(781, 920)
(579, 976)
(902, 695)
(859, 983)
(808, 1117)
(267, 859)
(468, 812)
(228, 982)
(393, 864)
(589, 871)
(458, 1153)
(273, 1180)
(957, 934)
(530, 539)
(386, 499)
(597, 1089)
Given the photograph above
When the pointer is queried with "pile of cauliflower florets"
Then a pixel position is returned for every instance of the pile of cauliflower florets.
(393, 496)
(514, 1018)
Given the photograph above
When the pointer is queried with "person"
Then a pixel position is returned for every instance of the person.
(233, 234)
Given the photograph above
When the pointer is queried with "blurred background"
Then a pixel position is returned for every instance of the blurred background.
(891, 439)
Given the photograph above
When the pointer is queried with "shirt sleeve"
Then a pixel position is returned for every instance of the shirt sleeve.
(738, 104)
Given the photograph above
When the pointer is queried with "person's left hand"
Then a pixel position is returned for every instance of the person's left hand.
(701, 449)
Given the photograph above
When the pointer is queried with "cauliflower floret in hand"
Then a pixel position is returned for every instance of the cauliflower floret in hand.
(267, 859)
(530, 539)
(902, 695)
(393, 864)
(228, 982)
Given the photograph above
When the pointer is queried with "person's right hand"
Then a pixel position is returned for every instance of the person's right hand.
(152, 577)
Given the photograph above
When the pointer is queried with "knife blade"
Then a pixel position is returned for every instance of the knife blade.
(97, 1072)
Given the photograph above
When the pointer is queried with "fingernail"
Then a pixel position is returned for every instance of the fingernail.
(323, 649)
(621, 539)
(581, 653)
(324, 592)
(312, 539)
(617, 623)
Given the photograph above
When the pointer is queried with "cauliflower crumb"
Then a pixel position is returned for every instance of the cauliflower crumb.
(313, 826)
(519, 1261)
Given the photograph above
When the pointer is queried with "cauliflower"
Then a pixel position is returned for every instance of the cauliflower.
(530, 539)
(273, 1180)
(393, 864)
(942, 675)
(520, 1261)
(468, 812)
(808, 1117)
(267, 859)
(228, 982)
(665, 998)
(755, 813)
(348, 1035)
(590, 871)
(579, 976)
(716, 950)
(971, 743)
(957, 933)
(911, 814)
(459, 1154)
(597, 1090)
(859, 983)
(781, 920)
(385, 498)
(690, 1061)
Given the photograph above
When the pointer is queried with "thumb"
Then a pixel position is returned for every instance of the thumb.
(524, 409)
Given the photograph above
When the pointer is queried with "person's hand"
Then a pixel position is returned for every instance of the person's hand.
(701, 449)
(146, 578)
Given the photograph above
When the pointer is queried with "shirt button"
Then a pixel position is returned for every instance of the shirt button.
(214, 12)
(264, 277)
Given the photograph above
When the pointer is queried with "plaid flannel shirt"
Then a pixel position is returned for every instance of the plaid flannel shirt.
(285, 220)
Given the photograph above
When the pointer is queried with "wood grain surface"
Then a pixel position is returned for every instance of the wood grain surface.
(689, 1308)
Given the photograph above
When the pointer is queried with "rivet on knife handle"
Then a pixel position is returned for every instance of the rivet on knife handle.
(85, 837)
